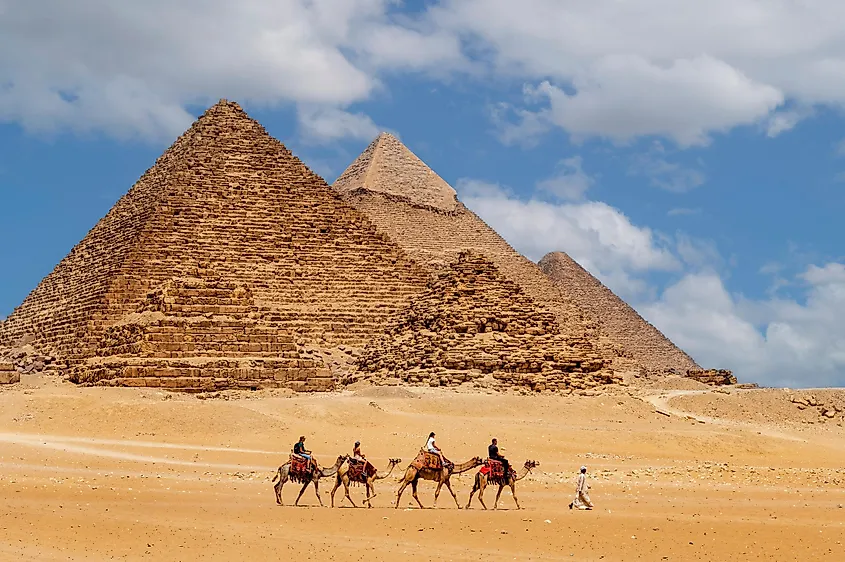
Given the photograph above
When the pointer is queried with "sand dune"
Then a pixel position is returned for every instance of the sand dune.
(135, 474)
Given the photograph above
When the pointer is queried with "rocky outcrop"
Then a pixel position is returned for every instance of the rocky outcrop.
(713, 377)
(8, 373)
(472, 324)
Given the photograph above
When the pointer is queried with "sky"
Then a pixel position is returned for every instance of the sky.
(690, 154)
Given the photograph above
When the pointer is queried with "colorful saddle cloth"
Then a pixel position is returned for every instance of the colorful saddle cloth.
(301, 469)
(360, 470)
(495, 471)
(430, 460)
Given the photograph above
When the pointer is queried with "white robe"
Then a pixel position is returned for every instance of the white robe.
(582, 497)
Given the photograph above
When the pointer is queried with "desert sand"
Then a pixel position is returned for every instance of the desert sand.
(144, 474)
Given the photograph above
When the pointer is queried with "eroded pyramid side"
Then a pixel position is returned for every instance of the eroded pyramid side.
(645, 343)
(474, 325)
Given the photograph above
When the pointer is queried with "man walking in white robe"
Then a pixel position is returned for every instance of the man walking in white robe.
(582, 497)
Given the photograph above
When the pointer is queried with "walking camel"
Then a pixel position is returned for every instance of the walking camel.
(441, 476)
(283, 474)
(481, 481)
(343, 477)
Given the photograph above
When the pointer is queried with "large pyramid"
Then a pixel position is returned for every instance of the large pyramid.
(223, 260)
(470, 322)
(645, 343)
(395, 189)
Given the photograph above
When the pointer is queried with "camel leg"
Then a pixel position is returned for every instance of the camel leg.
(317, 490)
(302, 491)
(346, 492)
(336, 486)
(499, 493)
(399, 495)
(368, 485)
(437, 494)
(278, 490)
(472, 493)
(455, 497)
(513, 493)
(481, 489)
(414, 491)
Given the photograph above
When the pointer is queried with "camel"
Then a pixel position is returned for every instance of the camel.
(481, 483)
(282, 476)
(413, 475)
(343, 478)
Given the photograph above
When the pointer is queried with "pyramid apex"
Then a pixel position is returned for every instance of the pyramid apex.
(388, 167)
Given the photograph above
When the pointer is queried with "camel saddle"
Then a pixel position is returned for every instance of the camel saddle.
(301, 468)
(495, 472)
(360, 470)
(430, 460)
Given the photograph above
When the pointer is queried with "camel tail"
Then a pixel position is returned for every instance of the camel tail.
(278, 474)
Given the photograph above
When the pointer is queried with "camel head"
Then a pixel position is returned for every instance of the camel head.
(530, 465)
(341, 459)
(394, 462)
(477, 461)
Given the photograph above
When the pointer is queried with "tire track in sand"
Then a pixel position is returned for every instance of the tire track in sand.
(88, 446)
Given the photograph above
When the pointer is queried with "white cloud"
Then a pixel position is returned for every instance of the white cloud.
(132, 68)
(569, 183)
(773, 341)
(601, 238)
(663, 174)
(321, 123)
(684, 69)
(626, 96)
(524, 129)
(777, 341)
(783, 121)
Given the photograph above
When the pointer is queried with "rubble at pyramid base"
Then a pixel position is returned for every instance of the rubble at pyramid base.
(474, 325)
(198, 335)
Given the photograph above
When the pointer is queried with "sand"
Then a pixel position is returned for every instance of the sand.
(137, 474)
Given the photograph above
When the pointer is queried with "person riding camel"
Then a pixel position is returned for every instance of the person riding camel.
(432, 448)
(493, 453)
(356, 452)
(299, 449)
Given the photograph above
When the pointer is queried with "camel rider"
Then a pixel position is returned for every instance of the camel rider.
(432, 448)
(299, 449)
(493, 453)
(356, 452)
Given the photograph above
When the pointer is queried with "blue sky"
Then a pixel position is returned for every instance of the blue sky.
(689, 157)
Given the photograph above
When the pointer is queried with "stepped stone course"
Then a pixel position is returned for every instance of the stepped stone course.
(645, 343)
(471, 322)
(8, 373)
(195, 334)
(225, 197)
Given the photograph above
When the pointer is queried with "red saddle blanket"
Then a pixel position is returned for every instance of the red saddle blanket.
(359, 471)
(494, 470)
(300, 466)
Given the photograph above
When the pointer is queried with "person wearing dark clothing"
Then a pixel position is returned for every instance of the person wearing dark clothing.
(493, 453)
(299, 449)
